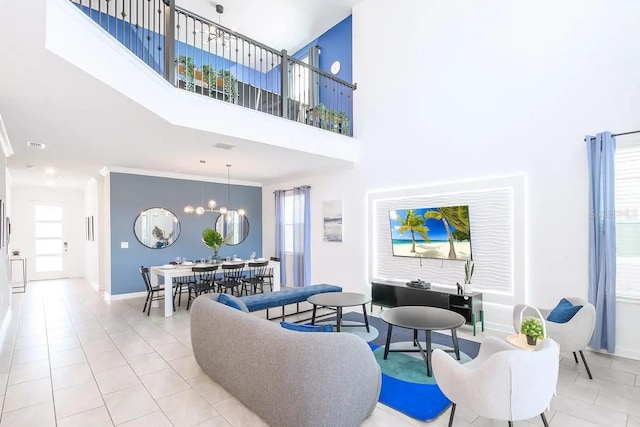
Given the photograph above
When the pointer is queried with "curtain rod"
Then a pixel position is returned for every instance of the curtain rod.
(626, 133)
(291, 189)
(623, 133)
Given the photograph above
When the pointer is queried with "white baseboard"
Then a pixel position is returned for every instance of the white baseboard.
(628, 353)
(125, 296)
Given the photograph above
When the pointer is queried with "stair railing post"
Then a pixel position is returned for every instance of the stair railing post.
(169, 41)
(284, 85)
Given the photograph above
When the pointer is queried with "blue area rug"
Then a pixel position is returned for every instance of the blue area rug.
(405, 384)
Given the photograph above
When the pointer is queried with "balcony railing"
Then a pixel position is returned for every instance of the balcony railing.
(200, 56)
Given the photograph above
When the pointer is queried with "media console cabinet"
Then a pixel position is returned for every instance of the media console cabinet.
(395, 294)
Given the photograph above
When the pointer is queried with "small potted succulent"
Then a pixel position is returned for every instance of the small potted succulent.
(532, 328)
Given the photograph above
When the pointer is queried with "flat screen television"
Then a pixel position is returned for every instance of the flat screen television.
(439, 232)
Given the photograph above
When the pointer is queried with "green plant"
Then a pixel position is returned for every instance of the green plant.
(532, 327)
(189, 72)
(228, 81)
(212, 239)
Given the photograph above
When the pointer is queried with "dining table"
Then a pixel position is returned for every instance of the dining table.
(170, 272)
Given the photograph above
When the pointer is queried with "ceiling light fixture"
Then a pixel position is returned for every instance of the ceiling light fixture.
(211, 205)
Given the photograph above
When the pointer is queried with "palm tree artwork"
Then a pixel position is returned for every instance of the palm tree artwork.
(456, 217)
(414, 224)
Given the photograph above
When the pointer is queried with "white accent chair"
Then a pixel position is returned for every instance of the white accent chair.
(502, 382)
(572, 336)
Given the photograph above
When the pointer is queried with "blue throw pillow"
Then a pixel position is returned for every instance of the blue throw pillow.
(231, 302)
(306, 328)
(563, 312)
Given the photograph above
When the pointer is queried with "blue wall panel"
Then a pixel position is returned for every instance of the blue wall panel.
(131, 194)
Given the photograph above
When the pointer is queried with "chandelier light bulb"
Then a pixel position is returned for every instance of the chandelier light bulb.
(223, 210)
(212, 204)
(199, 210)
(188, 209)
(241, 211)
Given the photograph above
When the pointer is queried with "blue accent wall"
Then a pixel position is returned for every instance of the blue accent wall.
(131, 194)
(144, 44)
(335, 45)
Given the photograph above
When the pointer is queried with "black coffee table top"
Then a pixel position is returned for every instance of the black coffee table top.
(338, 299)
(422, 318)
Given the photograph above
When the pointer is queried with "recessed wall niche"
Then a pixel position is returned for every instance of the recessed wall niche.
(496, 212)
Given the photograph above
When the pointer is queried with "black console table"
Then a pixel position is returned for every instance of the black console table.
(393, 294)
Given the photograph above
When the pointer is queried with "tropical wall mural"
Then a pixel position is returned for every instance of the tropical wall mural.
(442, 233)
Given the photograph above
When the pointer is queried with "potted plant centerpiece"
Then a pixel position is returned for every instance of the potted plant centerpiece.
(214, 240)
(532, 328)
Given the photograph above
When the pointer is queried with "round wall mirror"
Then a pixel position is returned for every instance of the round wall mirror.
(157, 228)
(235, 224)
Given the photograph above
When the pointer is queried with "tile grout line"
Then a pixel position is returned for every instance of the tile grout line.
(66, 307)
(13, 350)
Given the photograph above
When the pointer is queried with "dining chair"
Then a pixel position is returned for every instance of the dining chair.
(255, 279)
(231, 278)
(181, 284)
(204, 282)
(153, 292)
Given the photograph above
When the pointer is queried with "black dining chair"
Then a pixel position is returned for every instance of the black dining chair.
(204, 282)
(267, 279)
(153, 292)
(256, 277)
(181, 285)
(231, 278)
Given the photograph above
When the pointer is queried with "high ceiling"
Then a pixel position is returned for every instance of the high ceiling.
(87, 125)
(280, 24)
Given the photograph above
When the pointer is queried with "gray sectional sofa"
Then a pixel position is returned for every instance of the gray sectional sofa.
(289, 379)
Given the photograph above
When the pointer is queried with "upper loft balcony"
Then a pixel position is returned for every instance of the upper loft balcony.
(197, 55)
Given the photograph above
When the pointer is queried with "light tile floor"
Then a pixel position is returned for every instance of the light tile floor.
(69, 358)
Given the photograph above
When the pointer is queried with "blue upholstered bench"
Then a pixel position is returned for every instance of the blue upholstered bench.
(267, 300)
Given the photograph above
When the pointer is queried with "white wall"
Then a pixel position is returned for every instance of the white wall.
(91, 260)
(474, 90)
(22, 199)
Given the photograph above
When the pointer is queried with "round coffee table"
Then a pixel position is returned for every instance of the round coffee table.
(426, 319)
(339, 300)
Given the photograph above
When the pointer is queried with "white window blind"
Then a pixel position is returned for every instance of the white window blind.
(627, 187)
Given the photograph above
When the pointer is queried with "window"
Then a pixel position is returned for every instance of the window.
(300, 81)
(288, 223)
(627, 187)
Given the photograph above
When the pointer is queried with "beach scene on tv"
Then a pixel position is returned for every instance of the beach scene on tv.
(442, 232)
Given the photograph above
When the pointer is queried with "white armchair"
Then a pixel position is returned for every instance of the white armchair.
(502, 382)
(572, 336)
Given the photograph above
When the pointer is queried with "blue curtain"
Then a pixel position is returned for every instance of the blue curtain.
(301, 237)
(602, 238)
(280, 231)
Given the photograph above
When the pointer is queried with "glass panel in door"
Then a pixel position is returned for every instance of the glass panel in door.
(49, 245)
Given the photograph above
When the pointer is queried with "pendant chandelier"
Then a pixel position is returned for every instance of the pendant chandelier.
(211, 205)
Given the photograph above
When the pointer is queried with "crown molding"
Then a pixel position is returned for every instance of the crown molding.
(4, 140)
(118, 169)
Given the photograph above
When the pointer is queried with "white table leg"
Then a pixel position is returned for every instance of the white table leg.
(168, 296)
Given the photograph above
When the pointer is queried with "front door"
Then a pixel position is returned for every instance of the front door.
(50, 244)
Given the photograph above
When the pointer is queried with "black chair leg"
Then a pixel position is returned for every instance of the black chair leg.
(544, 419)
(189, 300)
(453, 413)
(575, 357)
(146, 301)
(586, 365)
(150, 302)
(510, 423)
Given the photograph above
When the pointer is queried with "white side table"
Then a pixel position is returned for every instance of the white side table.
(23, 288)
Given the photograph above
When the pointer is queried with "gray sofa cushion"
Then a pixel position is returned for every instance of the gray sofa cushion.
(289, 379)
